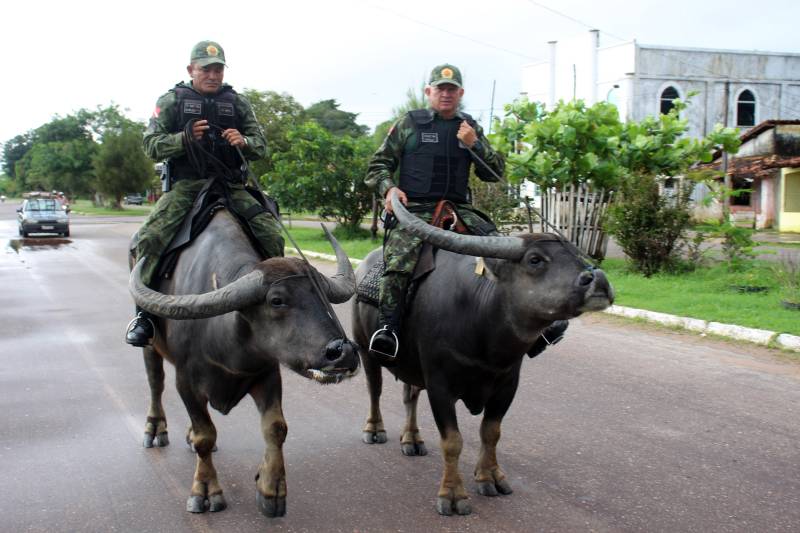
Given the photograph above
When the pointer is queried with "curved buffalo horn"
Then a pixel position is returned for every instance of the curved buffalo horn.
(247, 290)
(500, 247)
(342, 285)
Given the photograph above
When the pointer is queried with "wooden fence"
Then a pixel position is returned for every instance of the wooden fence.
(578, 214)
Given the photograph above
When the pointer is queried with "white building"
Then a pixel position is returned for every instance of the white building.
(735, 88)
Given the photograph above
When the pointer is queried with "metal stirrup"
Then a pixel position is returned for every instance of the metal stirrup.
(396, 342)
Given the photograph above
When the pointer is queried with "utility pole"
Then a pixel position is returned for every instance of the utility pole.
(726, 198)
(491, 107)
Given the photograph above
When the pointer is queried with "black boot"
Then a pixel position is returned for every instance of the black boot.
(384, 345)
(140, 330)
(552, 335)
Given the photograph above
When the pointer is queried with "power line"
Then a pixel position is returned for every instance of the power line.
(461, 36)
(573, 19)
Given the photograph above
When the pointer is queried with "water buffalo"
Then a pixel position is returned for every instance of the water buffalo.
(466, 333)
(227, 320)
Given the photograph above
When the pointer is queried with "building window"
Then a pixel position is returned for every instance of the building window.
(746, 109)
(668, 97)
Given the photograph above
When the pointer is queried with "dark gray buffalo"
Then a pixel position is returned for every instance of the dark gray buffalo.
(465, 336)
(228, 320)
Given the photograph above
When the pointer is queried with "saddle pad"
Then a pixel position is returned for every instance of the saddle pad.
(367, 291)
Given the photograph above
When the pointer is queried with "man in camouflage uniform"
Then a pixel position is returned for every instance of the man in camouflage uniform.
(225, 127)
(429, 147)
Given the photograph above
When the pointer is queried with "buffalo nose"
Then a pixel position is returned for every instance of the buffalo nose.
(585, 278)
(333, 350)
(341, 353)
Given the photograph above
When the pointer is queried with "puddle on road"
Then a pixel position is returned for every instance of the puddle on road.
(34, 244)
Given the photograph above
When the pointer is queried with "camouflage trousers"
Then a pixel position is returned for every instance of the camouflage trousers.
(166, 218)
(400, 254)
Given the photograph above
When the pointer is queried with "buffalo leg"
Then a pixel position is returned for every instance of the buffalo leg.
(155, 429)
(206, 493)
(374, 432)
(489, 476)
(452, 495)
(411, 442)
(271, 477)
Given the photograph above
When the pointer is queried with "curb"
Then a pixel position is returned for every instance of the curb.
(731, 331)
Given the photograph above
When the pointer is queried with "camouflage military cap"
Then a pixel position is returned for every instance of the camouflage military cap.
(446, 74)
(206, 53)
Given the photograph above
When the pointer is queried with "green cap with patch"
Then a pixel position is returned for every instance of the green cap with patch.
(446, 74)
(207, 53)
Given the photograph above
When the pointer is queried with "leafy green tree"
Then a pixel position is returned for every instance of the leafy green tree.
(276, 113)
(571, 144)
(327, 114)
(576, 144)
(324, 173)
(109, 119)
(415, 99)
(121, 165)
(58, 165)
(14, 150)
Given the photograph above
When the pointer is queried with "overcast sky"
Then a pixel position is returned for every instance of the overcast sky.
(63, 56)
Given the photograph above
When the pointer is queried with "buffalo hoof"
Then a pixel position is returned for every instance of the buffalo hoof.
(161, 440)
(196, 504)
(494, 488)
(374, 437)
(271, 506)
(414, 448)
(446, 507)
(216, 502)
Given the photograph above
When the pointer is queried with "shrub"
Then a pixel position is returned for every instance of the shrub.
(648, 225)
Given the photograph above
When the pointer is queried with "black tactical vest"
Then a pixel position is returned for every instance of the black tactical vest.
(437, 168)
(220, 112)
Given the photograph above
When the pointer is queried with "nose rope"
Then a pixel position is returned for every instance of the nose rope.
(191, 142)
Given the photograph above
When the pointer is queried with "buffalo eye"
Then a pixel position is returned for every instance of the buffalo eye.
(275, 301)
(535, 260)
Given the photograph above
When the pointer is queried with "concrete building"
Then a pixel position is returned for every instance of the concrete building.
(735, 88)
(742, 89)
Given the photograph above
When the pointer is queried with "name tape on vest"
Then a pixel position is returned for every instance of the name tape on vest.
(429, 137)
(193, 108)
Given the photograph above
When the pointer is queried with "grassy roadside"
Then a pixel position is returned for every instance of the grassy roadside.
(314, 240)
(85, 207)
(711, 294)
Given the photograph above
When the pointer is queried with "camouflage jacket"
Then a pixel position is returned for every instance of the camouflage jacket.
(403, 136)
(162, 140)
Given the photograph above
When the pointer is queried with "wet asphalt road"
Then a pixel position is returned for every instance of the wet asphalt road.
(618, 428)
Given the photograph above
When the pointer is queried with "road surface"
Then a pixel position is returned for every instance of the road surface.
(620, 427)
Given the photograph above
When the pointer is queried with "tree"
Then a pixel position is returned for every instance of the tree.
(575, 144)
(415, 99)
(276, 113)
(121, 165)
(323, 172)
(14, 150)
(58, 165)
(570, 145)
(327, 114)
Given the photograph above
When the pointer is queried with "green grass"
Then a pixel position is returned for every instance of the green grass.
(314, 240)
(85, 207)
(706, 294)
